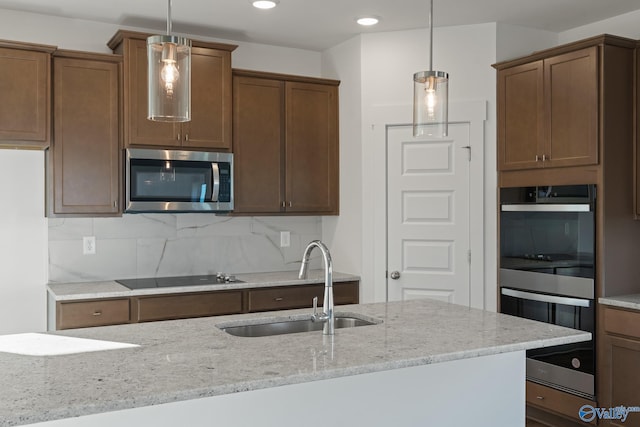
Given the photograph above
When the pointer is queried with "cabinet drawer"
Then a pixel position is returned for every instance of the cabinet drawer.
(165, 307)
(555, 400)
(301, 296)
(92, 313)
(284, 297)
(622, 322)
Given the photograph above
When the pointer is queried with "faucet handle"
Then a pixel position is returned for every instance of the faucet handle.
(315, 307)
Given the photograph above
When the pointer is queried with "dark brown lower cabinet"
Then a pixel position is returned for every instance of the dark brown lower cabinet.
(619, 367)
(553, 406)
(182, 306)
(99, 312)
(147, 308)
(287, 297)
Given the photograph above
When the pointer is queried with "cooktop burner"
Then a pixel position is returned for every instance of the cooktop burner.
(170, 282)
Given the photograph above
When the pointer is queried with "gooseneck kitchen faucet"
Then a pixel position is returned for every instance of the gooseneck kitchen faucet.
(327, 315)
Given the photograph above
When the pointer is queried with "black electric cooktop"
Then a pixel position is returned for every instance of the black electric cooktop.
(170, 282)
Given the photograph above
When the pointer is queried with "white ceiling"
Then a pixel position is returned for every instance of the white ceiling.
(320, 24)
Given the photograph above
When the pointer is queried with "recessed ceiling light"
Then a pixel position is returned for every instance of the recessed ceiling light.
(264, 4)
(367, 21)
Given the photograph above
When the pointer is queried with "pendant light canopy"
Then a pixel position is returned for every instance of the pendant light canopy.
(169, 76)
(430, 96)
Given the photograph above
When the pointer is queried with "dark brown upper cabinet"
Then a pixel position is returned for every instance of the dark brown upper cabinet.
(83, 160)
(285, 144)
(25, 110)
(210, 125)
(548, 111)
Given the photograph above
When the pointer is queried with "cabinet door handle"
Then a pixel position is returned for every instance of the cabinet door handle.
(284, 204)
(544, 157)
(178, 137)
(186, 137)
(290, 204)
(537, 158)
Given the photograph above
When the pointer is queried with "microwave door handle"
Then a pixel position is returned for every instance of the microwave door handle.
(215, 176)
(527, 207)
(576, 302)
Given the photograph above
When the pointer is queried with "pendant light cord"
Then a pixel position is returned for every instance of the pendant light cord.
(430, 35)
(168, 17)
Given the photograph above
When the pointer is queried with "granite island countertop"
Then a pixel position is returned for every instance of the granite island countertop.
(113, 289)
(190, 359)
(631, 301)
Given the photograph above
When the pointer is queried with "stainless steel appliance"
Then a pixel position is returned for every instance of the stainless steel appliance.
(178, 281)
(547, 244)
(178, 181)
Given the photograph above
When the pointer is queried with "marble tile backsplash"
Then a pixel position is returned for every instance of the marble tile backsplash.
(156, 245)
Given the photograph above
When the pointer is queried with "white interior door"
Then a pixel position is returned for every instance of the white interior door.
(428, 239)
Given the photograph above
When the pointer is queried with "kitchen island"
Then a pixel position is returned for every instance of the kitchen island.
(424, 363)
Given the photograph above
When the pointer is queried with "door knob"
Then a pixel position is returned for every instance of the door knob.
(395, 275)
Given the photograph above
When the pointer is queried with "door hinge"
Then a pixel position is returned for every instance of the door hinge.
(468, 147)
(469, 256)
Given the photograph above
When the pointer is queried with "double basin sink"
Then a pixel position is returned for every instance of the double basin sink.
(279, 326)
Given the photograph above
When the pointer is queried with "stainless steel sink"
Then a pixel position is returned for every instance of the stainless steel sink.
(263, 328)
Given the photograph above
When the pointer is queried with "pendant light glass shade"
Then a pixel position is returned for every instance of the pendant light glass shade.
(430, 96)
(430, 103)
(169, 76)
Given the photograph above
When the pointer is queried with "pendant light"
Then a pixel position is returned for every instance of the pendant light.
(430, 96)
(169, 76)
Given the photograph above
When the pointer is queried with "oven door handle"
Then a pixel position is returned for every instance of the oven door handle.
(554, 299)
(529, 207)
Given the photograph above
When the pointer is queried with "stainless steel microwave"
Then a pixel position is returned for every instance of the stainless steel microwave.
(178, 181)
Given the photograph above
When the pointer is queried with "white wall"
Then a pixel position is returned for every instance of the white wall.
(513, 41)
(623, 25)
(93, 37)
(23, 245)
(343, 233)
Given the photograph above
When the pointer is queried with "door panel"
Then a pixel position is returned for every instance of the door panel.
(428, 215)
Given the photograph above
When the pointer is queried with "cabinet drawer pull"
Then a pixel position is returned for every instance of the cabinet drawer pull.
(97, 313)
(540, 397)
(278, 299)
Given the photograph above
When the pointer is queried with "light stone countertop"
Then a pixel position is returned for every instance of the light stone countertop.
(190, 359)
(623, 301)
(112, 289)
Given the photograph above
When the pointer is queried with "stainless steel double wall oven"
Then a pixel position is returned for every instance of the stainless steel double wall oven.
(547, 245)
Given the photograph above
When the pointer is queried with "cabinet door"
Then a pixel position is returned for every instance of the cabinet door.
(26, 93)
(85, 153)
(571, 101)
(311, 141)
(520, 116)
(210, 125)
(621, 377)
(258, 121)
(138, 129)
